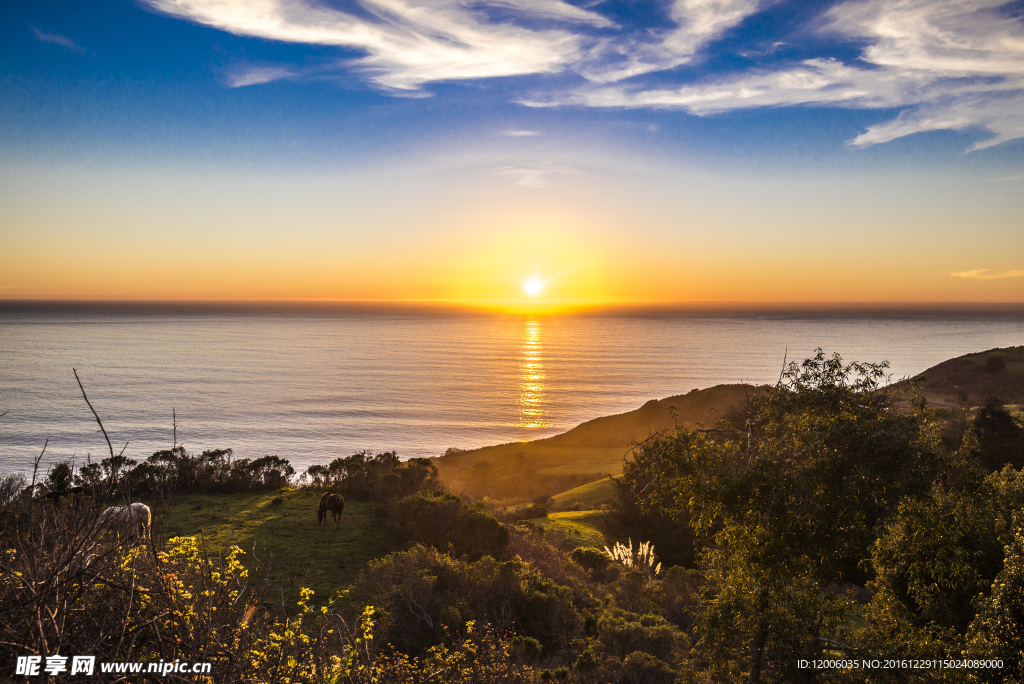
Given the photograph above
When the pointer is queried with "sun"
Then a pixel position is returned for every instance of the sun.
(533, 287)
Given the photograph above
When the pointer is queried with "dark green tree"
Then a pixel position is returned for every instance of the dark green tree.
(793, 504)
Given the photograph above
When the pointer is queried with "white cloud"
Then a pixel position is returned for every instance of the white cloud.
(548, 9)
(696, 23)
(406, 42)
(533, 173)
(57, 39)
(952, 64)
(815, 81)
(411, 42)
(947, 64)
(519, 134)
(986, 274)
(252, 75)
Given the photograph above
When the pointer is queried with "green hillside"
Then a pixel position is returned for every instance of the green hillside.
(579, 527)
(586, 497)
(590, 451)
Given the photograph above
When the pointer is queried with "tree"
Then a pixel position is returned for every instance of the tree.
(793, 504)
(1000, 438)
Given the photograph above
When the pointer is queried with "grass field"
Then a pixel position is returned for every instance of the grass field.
(591, 495)
(578, 526)
(279, 531)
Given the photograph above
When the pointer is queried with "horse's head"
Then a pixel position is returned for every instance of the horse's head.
(320, 515)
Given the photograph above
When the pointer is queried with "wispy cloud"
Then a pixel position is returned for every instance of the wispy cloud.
(986, 274)
(535, 173)
(695, 23)
(951, 64)
(945, 64)
(256, 75)
(57, 39)
(520, 134)
(406, 42)
(548, 9)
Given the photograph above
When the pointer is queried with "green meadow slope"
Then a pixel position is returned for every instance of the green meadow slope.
(590, 496)
(280, 536)
(590, 451)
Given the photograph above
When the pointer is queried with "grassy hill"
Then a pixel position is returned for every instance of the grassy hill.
(585, 497)
(977, 376)
(580, 527)
(590, 451)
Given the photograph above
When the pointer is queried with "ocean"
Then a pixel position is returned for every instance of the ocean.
(311, 386)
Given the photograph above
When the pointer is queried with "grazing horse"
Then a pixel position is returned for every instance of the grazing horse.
(136, 517)
(335, 503)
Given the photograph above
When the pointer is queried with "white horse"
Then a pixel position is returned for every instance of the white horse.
(136, 517)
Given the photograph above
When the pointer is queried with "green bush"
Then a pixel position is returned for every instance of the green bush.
(624, 633)
(643, 668)
(444, 521)
(422, 591)
(429, 518)
(534, 510)
(526, 648)
(480, 535)
(590, 558)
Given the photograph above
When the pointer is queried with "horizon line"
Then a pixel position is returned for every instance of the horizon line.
(500, 306)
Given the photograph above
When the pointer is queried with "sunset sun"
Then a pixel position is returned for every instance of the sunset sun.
(533, 287)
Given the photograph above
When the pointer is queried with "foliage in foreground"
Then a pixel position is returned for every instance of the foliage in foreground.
(825, 484)
(64, 588)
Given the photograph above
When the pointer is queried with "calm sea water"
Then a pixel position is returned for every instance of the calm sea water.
(314, 386)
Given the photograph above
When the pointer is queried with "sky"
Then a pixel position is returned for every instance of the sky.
(454, 150)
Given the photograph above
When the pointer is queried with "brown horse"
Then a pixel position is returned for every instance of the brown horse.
(335, 503)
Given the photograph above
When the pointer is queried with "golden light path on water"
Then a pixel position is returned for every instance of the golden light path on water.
(531, 378)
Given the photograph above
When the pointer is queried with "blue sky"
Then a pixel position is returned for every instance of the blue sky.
(552, 100)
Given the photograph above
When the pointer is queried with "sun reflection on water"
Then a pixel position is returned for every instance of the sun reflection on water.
(531, 379)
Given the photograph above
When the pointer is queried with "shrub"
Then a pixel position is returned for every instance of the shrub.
(643, 668)
(443, 521)
(530, 512)
(60, 477)
(11, 485)
(624, 633)
(429, 518)
(480, 535)
(421, 591)
(526, 648)
(590, 558)
(382, 477)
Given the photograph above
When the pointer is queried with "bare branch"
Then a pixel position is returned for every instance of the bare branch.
(109, 446)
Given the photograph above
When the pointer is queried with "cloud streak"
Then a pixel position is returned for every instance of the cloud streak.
(986, 274)
(255, 75)
(406, 42)
(945, 64)
(950, 64)
(57, 39)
